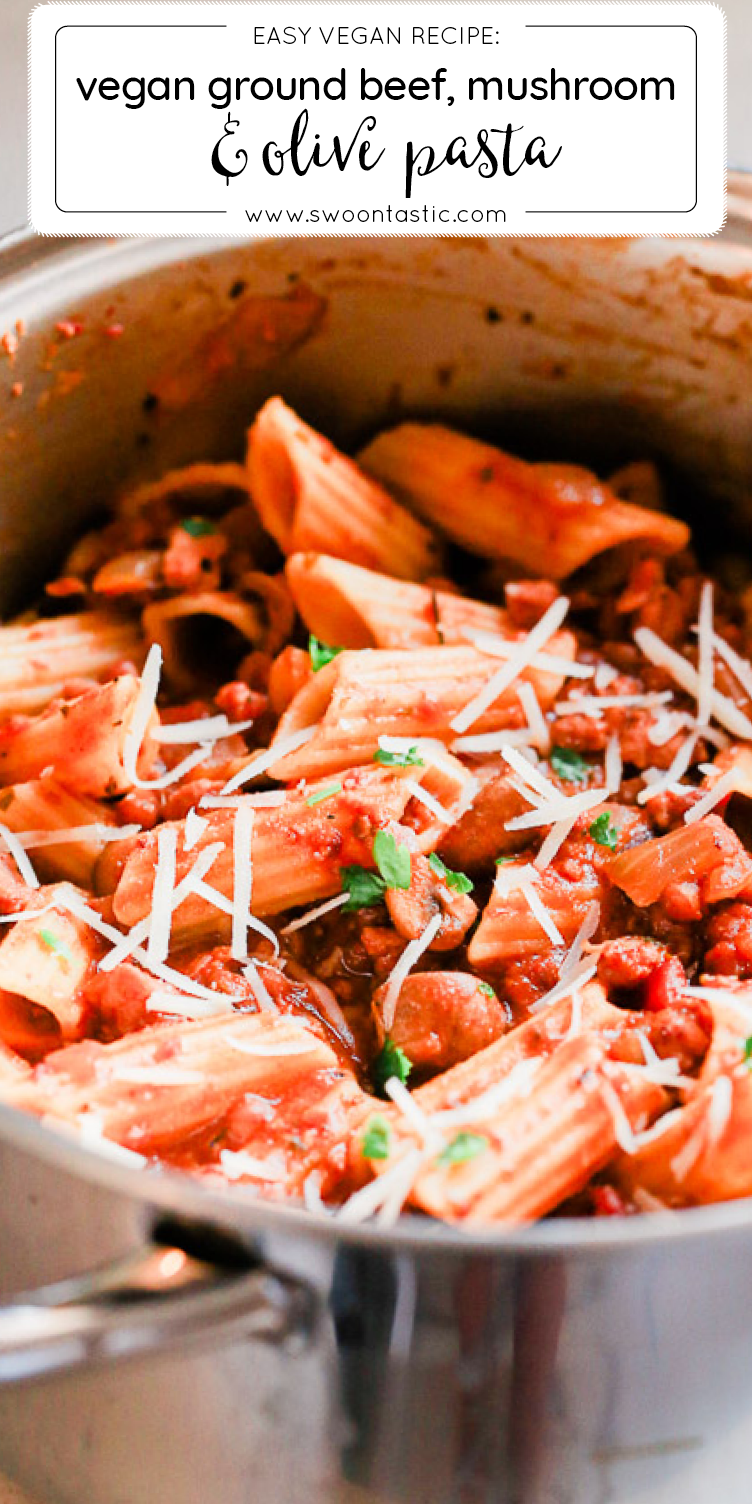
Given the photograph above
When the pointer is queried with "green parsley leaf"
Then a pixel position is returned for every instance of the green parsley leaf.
(463, 1147)
(487, 988)
(327, 793)
(363, 887)
(568, 765)
(58, 947)
(604, 831)
(503, 861)
(376, 1139)
(393, 861)
(408, 759)
(457, 881)
(748, 1052)
(320, 653)
(390, 1061)
(198, 527)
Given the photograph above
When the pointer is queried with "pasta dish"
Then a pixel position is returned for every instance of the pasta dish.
(376, 835)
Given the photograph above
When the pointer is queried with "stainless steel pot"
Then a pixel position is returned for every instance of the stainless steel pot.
(272, 1357)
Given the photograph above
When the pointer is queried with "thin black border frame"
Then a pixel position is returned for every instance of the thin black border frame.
(628, 26)
(529, 26)
(128, 26)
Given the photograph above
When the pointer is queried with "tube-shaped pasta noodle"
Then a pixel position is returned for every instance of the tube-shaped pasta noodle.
(546, 1142)
(203, 635)
(359, 697)
(82, 740)
(549, 518)
(537, 1037)
(153, 1089)
(42, 804)
(202, 487)
(510, 931)
(703, 1153)
(38, 659)
(311, 496)
(707, 850)
(46, 959)
(298, 851)
(358, 608)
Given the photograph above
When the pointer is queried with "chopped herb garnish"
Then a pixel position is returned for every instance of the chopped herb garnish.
(748, 1051)
(463, 1147)
(503, 861)
(568, 765)
(457, 881)
(198, 527)
(327, 793)
(604, 831)
(376, 1139)
(408, 759)
(390, 1061)
(364, 888)
(58, 947)
(486, 988)
(320, 653)
(392, 860)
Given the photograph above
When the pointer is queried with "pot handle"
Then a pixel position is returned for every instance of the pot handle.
(161, 1294)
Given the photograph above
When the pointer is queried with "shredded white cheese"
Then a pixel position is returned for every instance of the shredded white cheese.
(540, 735)
(237, 1164)
(399, 973)
(26, 871)
(705, 655)
(553, 842)
(156, 1075)
(725, 785)
(314, 914)
(681, 670)
(613, 771)
(158, 943)
(266, 760)
(540, 913)
(490, 741)
(523, 654)
(242, 881)
(74, 834)
(273, 799)
(211, 729)
(672, 775)
(194, 828)
(594, 705)
(260, 992)
(622, 1127)
(423, 797)
(583, 974)
(549, 663)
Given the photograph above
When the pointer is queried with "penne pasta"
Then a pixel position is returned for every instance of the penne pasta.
(152, 1089)
(549, 517)
(46, 959)
(412, 693)
(83, 740)
(545, 1142)
(37, 660)
(310, 496)
(43, 805)
(298, 851)
(358, 608)
(196, 632)
(511, 927)
(534, 1039)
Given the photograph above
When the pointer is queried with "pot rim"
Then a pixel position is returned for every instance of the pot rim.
(22, 251)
